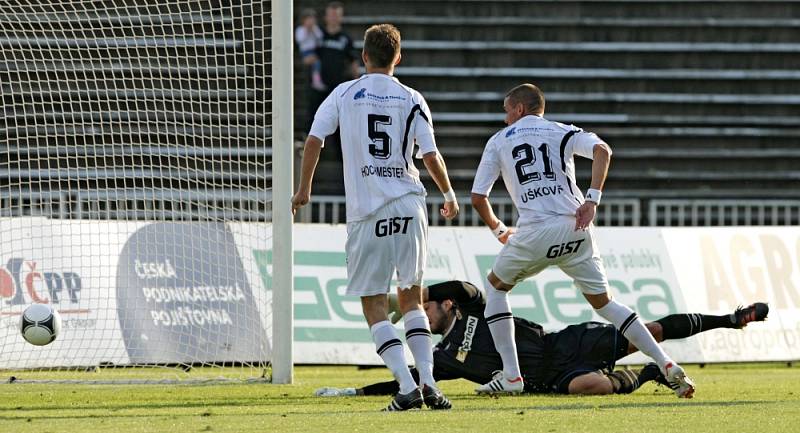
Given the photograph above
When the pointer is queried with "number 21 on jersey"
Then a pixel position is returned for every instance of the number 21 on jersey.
(525, 155)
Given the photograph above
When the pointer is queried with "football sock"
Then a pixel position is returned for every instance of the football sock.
(418, 337)
(390, 349)
(501, 324)
(629, 324)
(685, 325)
(627, 381)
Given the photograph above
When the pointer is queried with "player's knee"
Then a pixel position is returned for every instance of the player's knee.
(597, 301)
(375, 309)
(409, 299)
(591, 384)
(498, 284)
(656, 330)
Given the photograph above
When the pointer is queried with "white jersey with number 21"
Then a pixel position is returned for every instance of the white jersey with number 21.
(380, 122)
(535, 157)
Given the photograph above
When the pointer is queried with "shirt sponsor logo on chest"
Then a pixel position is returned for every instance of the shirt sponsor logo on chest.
(469, 332)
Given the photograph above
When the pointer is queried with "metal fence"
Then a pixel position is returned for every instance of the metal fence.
(247, 205)
(133, 204)
(723, 212)
(331, 210)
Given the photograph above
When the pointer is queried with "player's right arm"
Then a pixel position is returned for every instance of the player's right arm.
(487, 173)
(311, 153)
(326, 120)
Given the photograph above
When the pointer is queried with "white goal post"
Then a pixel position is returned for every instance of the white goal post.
(141, 146)
(283, 145)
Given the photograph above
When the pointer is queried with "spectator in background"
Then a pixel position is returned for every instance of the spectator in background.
(338, 59)
(308, 36)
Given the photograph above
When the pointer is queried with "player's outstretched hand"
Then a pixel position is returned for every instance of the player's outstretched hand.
(504, 237)
(334, 392)
(449, 210)
(299, 200)
(585, 215)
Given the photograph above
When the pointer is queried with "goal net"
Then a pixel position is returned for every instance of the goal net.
(135, 187)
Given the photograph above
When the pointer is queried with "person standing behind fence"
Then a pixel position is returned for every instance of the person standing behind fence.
(337, 57)
(308, 37)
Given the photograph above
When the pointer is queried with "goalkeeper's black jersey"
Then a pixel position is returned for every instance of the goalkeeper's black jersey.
(467, 350)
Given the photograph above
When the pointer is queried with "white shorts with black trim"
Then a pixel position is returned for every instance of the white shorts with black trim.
(532, 249)
(393, 239)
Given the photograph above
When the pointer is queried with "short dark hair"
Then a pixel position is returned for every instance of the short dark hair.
(530, 96)
(382, 44)
(308, 12)
(335, 5)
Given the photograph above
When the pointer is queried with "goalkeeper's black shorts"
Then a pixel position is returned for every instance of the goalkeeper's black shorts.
(574, 351)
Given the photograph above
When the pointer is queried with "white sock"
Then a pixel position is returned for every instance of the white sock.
(632, 327)
(501, 324)
(390, 348)
(418, 337)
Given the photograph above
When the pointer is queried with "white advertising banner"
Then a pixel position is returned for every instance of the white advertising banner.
(49, 262)
(130, 293)
(134, 292)
(657, 272)
(639, 272)
(719, 269)
(329, 327)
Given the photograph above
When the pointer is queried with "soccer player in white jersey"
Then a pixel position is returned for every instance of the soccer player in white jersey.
(380, 122)
(535, 158)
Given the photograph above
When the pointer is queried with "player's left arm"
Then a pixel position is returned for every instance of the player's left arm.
(434, 163)
(601, 159)
(438, 170)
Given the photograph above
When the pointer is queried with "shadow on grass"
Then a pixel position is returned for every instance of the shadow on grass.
(207, 403)
(217, 409)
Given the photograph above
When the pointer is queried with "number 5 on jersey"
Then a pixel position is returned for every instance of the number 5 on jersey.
(381, 146)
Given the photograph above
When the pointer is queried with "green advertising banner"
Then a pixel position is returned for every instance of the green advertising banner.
(640, 264)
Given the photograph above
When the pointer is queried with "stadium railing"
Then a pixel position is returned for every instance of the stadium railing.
(245, 204)
(132, 204)
(331, 210)
(665, 212)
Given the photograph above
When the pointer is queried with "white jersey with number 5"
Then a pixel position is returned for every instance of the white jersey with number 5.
(535, 158)
(380, 121)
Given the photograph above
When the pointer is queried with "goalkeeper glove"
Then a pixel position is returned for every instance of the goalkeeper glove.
(334, 392)
(394, 309)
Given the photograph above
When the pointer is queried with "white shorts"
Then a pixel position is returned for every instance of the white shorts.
(530, 250)
(395, 238)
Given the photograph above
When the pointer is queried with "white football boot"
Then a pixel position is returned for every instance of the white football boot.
(500, 385)
(679, 381)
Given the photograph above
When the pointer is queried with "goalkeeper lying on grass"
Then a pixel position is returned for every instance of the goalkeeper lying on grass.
(579, 359)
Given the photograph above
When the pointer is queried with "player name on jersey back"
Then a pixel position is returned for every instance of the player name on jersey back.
(535, 158)
(371, 170)
(543, 191)
(380, 122)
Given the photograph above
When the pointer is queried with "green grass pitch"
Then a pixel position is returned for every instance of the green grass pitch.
(730, 398)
